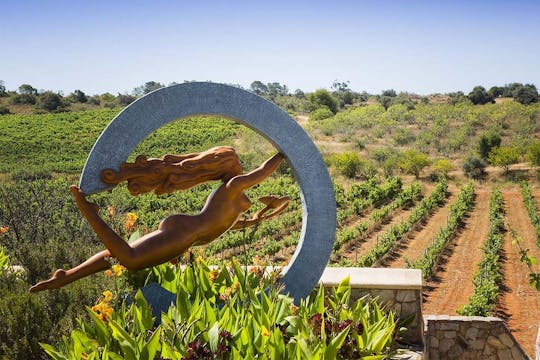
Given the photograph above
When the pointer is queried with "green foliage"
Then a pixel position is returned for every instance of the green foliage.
(533, 153)
(50, 101)
(480, 96)
(4, 260)
(146, 88)
(399, 231)
(322, 98)
(442, 167)
(413, 161)
(487, 142)
(238, 314)
(532, 209)
(432, 254)
(474, 167)
(321, 114)
(4, 110)
(526, 94)
(347, 164)
(504, 156)
(487, 279)
(365, 228)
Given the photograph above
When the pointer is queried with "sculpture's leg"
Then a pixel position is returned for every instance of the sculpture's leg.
(62, 277)
(118, 248)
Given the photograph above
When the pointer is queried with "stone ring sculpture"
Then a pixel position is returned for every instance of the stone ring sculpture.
(162, 106)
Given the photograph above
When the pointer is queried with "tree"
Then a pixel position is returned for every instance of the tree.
(504, 156)
(322, 98)
(480, 96)
(148, 87)
(342, 92)
(457, 97)
(125, 99)
(487, 142)
(474, 167)
(259, 88)
(386, 98)
(50, 101)
(26, 89)
(413, 161)
(496, 91)
(2, 88)
(78, 96)
(526, 94)
(275, 89)
(510, 89)
(298, 93)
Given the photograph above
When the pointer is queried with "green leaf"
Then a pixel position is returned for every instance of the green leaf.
(127, 342)
(152, 346)
(134, 236)
(51, 351)
(336, 343)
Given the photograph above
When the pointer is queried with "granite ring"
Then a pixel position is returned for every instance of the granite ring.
(164, 105)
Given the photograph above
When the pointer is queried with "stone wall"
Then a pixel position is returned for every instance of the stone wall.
(469, 337)
(399, 290)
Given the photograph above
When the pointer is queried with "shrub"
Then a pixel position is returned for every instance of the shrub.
(487, 142)
(4, 110)
(526, 94)
(413, 161)
(321, 114)
(50, 101)
(442, 167)
(347, 164)
(480, 96)
(474, 167)
(533, 153)
(322, 98)
(234, 315)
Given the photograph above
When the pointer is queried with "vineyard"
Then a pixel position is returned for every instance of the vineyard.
(469, 238)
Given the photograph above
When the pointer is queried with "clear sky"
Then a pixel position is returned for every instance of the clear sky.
(417, 46)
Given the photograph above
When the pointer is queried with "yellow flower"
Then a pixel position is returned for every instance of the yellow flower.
(108, 273)
(4, 229)
(131, 219)
(264, 331)
(118, 269)
(294, 309)
(111, 211)
(107, 296)
(235, 285)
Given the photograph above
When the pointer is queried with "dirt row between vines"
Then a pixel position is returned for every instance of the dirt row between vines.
(453, 284)
(419, 240)
(519, 303)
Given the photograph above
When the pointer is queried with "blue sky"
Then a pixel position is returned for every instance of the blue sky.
(417, 46)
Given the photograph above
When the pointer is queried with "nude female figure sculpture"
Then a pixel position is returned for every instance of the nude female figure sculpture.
(176, 233)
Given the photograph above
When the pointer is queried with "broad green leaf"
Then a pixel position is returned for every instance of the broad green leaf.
(213, 336)
(335, 344)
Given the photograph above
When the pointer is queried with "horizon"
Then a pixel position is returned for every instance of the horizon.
(417, 47)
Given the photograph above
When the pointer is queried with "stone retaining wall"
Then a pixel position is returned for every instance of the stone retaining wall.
(469, 337)
(399, 290)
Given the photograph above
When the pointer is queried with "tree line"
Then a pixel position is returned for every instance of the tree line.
(321, 103)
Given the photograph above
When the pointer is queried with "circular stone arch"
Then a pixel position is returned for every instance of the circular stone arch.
(165, 105)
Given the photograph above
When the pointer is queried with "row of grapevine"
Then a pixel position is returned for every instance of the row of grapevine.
(397, 232)
(532, 209)
(432, 254)
(487, 279)
(378, 216)
(370, 193)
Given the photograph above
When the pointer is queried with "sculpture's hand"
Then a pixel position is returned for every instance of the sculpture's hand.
(80, 198)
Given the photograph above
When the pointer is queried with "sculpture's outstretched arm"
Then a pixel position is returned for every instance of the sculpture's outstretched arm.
(254, 177)
(278, 204)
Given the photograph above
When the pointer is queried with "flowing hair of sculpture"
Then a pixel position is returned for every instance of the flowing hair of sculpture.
(176, 233)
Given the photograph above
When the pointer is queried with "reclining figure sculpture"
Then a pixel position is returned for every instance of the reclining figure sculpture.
(176, 233)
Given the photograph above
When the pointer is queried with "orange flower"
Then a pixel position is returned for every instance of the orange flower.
(111, 211)
(235, 285)
(294, 309)
(107, 296)
(4, 229)
(131, 219)
(264, 331)
(118, 269)
(103, 310)
(108, 273)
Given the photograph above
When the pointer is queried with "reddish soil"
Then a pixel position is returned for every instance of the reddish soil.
(453, 284)
(420, 240)
(519, 303)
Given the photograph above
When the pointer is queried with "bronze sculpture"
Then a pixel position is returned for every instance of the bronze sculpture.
(176, 233)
